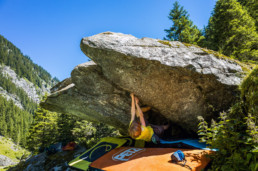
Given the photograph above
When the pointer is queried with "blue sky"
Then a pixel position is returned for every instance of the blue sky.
(49, 31)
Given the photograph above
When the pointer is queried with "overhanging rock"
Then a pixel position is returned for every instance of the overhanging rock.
(179, 82)
(89, 95)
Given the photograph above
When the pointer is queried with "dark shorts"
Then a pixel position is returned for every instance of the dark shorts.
(158, 130)
(158, 133)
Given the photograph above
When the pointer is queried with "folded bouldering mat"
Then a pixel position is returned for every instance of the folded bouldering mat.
(104, 146)
(191, 143)
(131, 158)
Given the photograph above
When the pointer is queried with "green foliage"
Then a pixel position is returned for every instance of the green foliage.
(22, 65)
(49, 128)
(72, 128)
(14, 122)
(252, 7)
(231, 31)
(183, 29)
(43, 130)
(249, 93)
(11, 150)
(89, 133)
(65, 124)
(236, 134)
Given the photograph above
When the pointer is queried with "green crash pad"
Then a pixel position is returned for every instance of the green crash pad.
(102, 147)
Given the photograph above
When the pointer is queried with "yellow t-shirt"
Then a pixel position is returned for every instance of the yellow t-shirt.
(146, 133)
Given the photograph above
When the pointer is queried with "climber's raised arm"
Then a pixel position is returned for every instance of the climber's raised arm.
(132, 108)
(139, 111)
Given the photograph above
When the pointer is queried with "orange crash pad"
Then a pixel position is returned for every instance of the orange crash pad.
(131, 158)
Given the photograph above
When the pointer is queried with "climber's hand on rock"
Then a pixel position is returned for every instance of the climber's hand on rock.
(136, 100)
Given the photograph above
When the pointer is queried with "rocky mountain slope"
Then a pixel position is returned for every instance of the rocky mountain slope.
(179, 81)
(33, 79)
(12, 152)
(32, 91)
(23, 73)
(22, 84)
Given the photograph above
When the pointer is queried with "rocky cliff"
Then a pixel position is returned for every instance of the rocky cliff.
(33, 92)
(22, 73)
(179, 81)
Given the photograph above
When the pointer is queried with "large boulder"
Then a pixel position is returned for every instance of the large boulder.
(179, 81)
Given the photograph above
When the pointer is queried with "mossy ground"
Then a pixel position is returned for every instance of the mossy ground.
(6, 150)
(188, 44)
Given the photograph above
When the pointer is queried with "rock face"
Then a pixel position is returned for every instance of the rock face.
(179, 82)
(89, 95)
(28, 87)
(12, 97)
(54, 162)
(5, 161)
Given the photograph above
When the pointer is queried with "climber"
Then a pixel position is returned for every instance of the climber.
(142, 130)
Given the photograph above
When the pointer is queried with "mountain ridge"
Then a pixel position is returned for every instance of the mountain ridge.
(21, 71)
(22, 85)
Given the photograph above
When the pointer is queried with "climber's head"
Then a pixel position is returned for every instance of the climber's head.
(135, 129)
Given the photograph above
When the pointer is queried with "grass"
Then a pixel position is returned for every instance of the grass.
(6, 150)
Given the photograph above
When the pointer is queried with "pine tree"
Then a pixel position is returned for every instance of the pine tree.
(182, 29)
(231, 31)
(252, 8)
(89, 133)
(65, 124)
(43, 131)
(14, 122)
